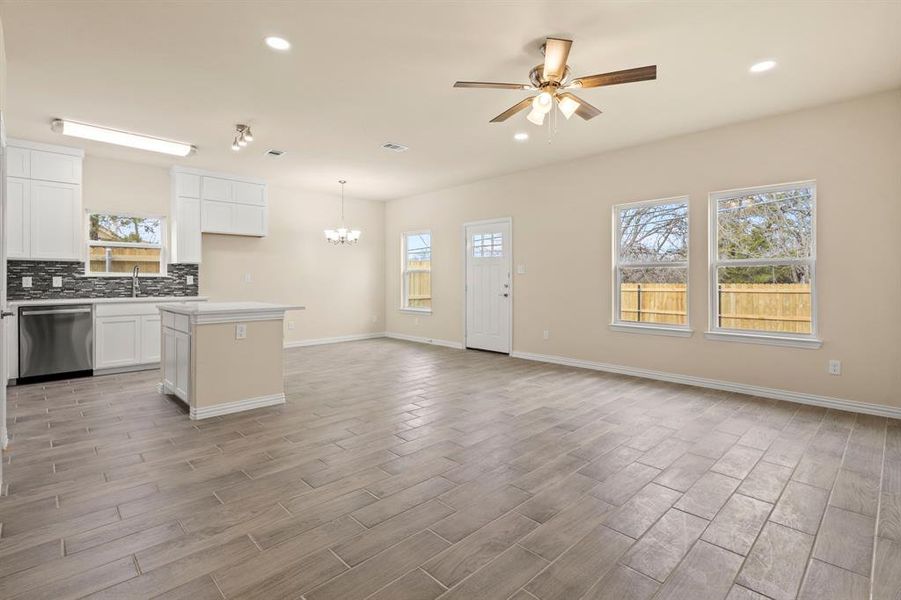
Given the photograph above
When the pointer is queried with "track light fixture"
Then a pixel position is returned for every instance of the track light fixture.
(243, 135)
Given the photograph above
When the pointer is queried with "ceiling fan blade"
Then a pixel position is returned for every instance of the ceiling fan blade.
(585, 110)
(617, 77)
(522, 105)
(491, 85)
(556, 51)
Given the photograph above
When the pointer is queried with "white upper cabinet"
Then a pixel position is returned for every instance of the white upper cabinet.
(43, 185)
(187, 185)
(215, 188)
(18, 162)
(185, 215)
(51, 166)
(55, 215)
(204, 202)
(17, 221)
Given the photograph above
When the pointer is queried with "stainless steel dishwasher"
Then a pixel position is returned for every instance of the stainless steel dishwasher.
(55, 342)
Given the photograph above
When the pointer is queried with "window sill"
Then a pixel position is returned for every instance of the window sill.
(418, 311)
(652, 329)
(769, 340)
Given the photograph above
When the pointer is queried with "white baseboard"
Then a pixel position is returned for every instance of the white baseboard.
(424, 340)
(717, 384)
(334, 340)
(228, 408)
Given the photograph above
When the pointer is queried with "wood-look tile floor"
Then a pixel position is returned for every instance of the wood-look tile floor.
(399, 471)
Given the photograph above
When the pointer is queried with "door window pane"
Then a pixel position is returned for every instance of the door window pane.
(488, 245)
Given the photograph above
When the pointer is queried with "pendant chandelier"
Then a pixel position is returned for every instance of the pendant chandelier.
(342, 235)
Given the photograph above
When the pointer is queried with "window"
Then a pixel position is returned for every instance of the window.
(651, 265)
(763, 254)
(118, 243)
(488, 245)
(417, 271)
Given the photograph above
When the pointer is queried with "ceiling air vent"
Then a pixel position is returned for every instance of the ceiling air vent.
(395, 147)
(275, 153)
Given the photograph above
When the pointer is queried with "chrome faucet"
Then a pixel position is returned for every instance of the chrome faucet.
(134, 281)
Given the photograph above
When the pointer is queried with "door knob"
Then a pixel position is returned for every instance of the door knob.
(6, 313)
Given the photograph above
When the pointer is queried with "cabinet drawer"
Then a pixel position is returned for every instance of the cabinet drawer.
(125, 309)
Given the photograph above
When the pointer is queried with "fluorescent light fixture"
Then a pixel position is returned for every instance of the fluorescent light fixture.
(277, 43)
(762, 66)
(120, 138)
(521, 136)
(568, 106)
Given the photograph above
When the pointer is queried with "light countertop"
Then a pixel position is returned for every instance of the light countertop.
(225, 311)
(127, 300)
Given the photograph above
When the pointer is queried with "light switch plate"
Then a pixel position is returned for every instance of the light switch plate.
(290, 324)
(247, 278)
(240, 331)
(190, 279)
(26, 282)
(520, 269)
(57, 281)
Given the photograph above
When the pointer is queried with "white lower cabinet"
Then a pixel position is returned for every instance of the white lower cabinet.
(176, 363)
(117, 342)
(151, 338)
(127, 336)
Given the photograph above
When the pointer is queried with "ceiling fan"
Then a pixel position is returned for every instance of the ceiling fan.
(552, 82)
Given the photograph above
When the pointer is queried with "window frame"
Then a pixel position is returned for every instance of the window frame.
(617, 324)
(89, 243)
(775, 338)
(404, 271)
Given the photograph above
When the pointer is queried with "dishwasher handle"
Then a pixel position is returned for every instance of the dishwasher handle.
(56, 311)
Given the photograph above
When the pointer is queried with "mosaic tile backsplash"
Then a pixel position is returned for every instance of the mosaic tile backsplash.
(76, 285)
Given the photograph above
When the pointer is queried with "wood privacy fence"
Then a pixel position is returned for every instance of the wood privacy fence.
(783, 307)
(419, 292)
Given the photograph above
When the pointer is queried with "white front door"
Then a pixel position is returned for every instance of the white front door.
(489, 293)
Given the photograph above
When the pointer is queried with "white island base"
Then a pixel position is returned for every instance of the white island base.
(223, 357)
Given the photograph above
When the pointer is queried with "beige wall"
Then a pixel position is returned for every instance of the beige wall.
(562, 234)
(342, 287)
(228, 370)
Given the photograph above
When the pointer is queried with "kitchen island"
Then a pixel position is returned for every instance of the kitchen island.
(223, 357)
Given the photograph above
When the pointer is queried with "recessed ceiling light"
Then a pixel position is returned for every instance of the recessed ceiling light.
(762, 66)
(277, 43)
(121, 138)
(521, 136)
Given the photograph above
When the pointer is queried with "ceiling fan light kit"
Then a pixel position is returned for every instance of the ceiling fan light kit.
(552, 81)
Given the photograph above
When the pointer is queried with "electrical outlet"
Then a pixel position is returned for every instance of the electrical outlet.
(520, 269)
(547, 333)
(26, 282)
(375, 318)
(190, 279)
(416, 321)
(290, 324)
(57, 281)
(240, 331)
(247, 278)
(835, 367)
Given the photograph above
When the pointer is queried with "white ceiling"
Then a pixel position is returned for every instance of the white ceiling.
(364, 73)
